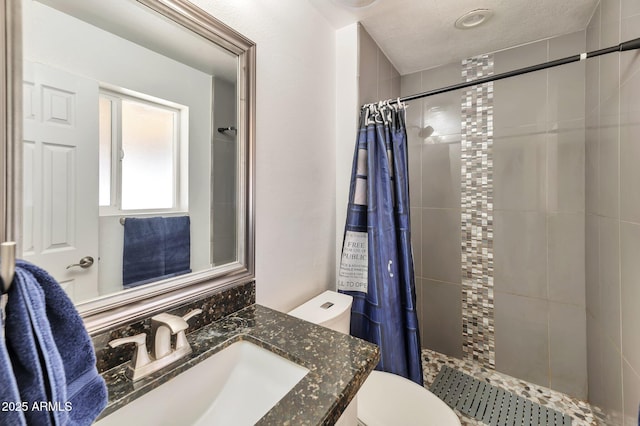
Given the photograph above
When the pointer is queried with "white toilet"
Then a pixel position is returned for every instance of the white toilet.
(384, 399)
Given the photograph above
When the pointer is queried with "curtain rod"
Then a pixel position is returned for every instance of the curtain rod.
(627, 45)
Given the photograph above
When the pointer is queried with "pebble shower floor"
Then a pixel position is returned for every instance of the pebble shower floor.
(581, 412)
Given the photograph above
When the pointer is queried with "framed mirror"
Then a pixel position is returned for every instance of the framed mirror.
(129, 174)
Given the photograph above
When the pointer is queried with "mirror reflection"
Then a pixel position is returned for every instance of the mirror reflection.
(130, 156)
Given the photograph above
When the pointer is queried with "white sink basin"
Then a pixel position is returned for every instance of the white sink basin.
(236, 386)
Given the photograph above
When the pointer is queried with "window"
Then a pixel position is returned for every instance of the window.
(139, 154)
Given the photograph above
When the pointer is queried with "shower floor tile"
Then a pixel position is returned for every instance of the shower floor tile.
(583, 413)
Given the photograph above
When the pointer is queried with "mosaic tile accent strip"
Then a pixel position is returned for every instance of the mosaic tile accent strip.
(477, 213)
(581, 412)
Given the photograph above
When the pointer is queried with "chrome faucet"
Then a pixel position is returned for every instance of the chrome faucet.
(163, 353)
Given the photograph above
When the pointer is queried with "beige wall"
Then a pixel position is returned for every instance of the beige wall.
(295, 149)
(613, 213)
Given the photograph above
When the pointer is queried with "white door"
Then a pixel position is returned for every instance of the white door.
(61, 177)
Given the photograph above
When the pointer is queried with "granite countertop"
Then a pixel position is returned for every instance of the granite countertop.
(338, 364)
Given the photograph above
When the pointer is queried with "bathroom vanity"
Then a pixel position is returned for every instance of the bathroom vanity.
(221, 285)
(337, 366)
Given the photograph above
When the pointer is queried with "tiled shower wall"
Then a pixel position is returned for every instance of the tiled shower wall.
(378, 79)
(538, 202)
(613, 213)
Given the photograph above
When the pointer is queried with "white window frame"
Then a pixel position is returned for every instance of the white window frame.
(180, 152)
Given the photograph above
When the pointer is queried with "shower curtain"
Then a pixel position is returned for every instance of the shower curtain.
(376, 266)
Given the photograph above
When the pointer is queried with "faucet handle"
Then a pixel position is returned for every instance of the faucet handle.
(191, 314)
(164, 325)
(174, 322)
(181, 338)
(141, 357)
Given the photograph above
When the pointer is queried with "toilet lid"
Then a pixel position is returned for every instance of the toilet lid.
(388, 399)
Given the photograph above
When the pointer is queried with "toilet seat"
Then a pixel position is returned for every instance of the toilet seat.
(387, 399)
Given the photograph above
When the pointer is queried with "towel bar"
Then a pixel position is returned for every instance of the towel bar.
(7, 264)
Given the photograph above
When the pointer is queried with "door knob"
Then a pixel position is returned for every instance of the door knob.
(84, 263)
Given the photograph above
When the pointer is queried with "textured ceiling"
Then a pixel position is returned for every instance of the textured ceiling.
(419, 34)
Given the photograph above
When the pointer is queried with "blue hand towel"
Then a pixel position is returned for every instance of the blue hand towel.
(143, 254)
(9, 393)
(155, 248)
(51, 353)
(177, 245)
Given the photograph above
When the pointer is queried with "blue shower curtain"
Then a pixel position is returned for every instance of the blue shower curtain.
(376, 267)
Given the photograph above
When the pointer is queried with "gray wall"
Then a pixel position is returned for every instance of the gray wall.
(613, 213)
(378, 79)
(538, 163)
(225, 155)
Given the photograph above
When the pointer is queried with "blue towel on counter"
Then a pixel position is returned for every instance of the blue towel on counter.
(155, 248)
(51, 353)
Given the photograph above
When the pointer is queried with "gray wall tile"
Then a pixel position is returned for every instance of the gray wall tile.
(609, 280)
(411, 84)
(520, 253)
(566, 254)
(631, 392)
(416, 239)
(441, 76)
(594, 362)
(443, 113)
(441, 245)
(441, 320)
(568, 349)
(608, 194)
(629, 173)
(630, 295)
(522, 56)
(592, 265)
(567, 45)
(612, 382)
(593, 30)
(592, 86)
(592, 170)
(520, 166)
(522, 100)
(610, 23)
(522, 345)
(368, 57)
(566, 167)
(377, 78)
(415, 173)
(609, 83)
(419, 299)
(566, 83)
(630, 8)
(441, 175)
(630, 95)
(566, 91)
(630, 60)
(610, 177)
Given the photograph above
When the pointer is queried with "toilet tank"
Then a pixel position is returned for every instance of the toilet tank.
(329, 309)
